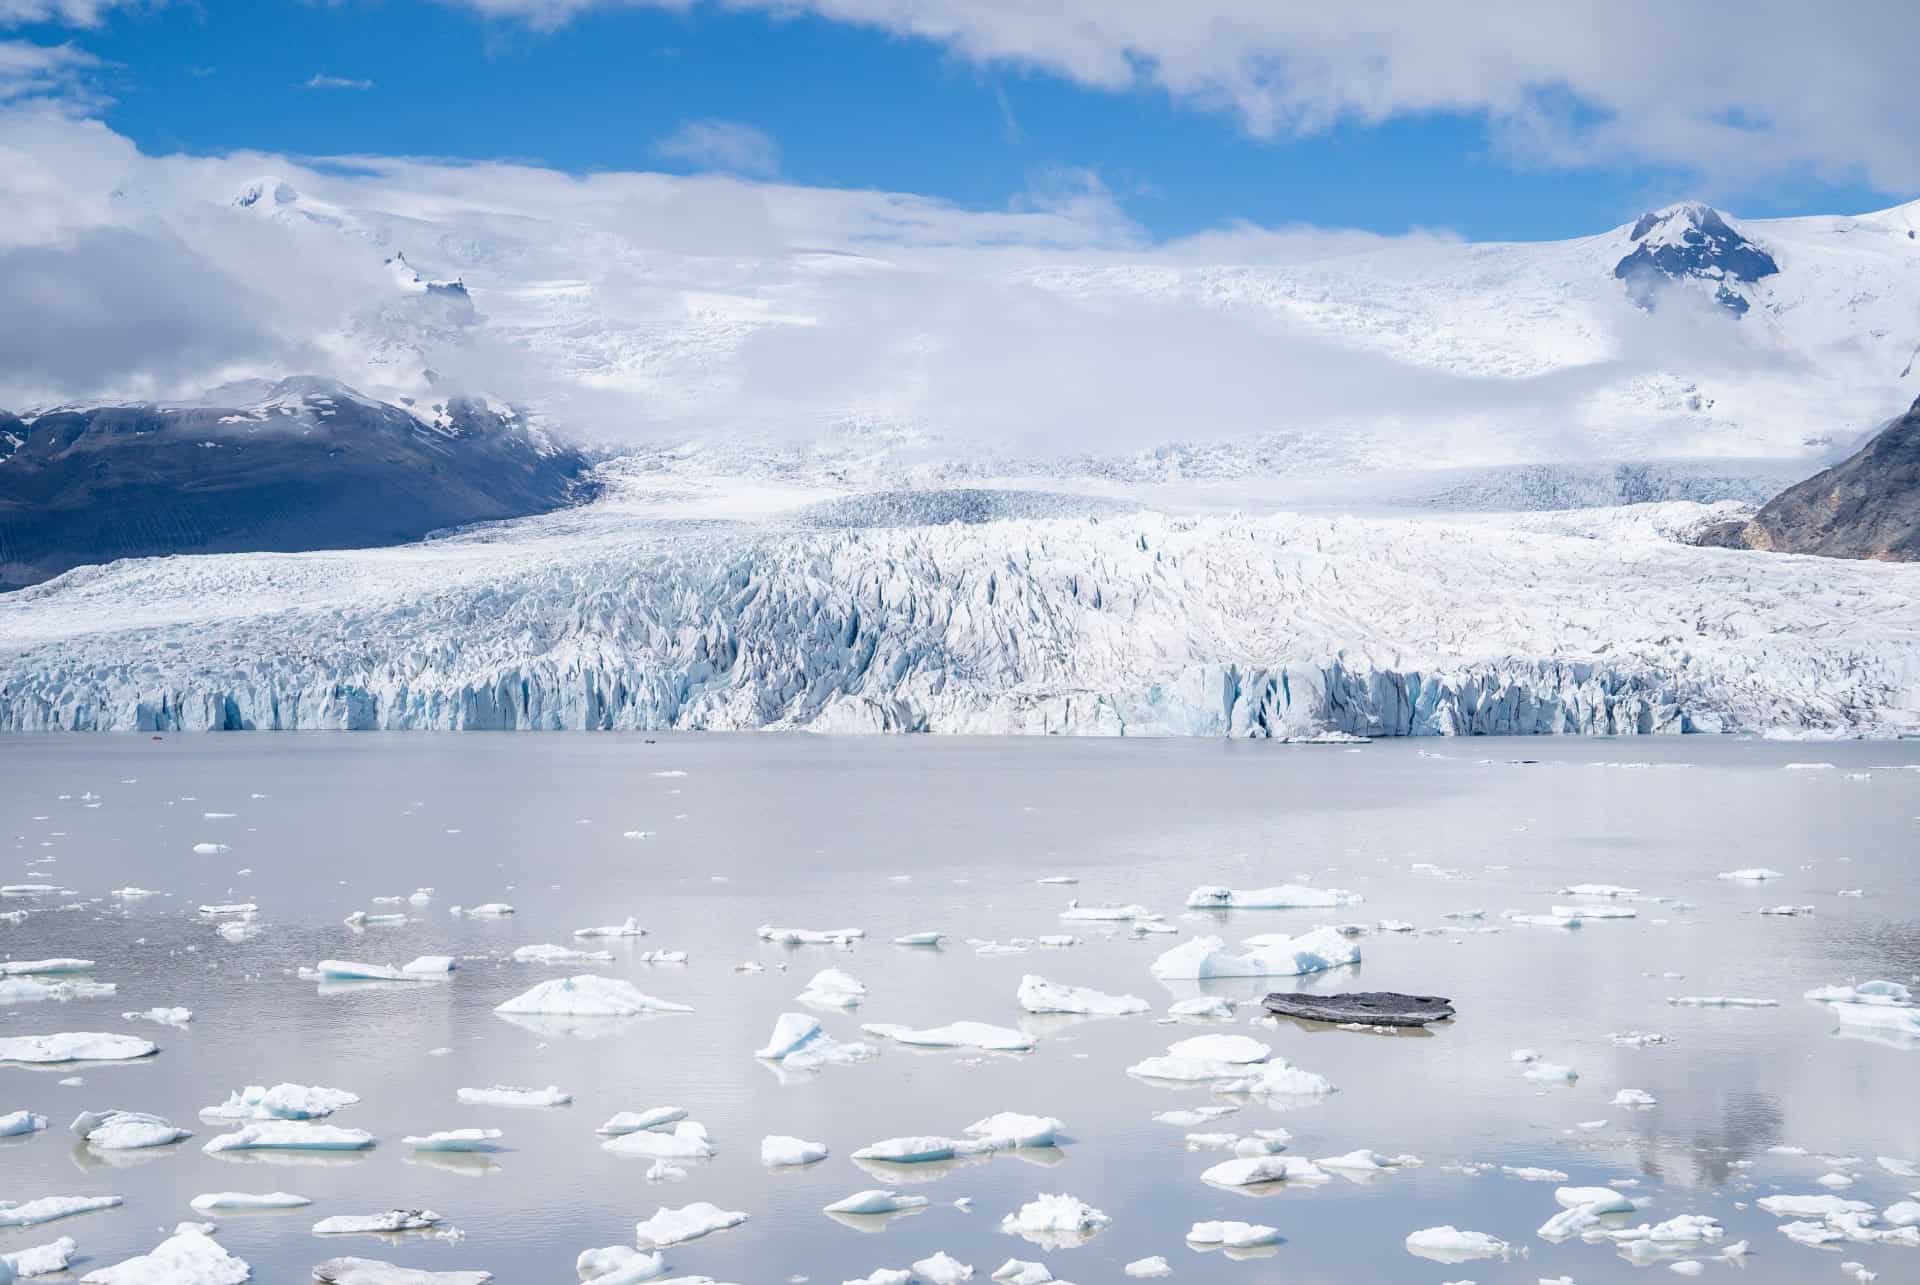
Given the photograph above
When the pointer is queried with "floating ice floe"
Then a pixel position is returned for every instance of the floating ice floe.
(424, 969)
(1254, 1171)
(1055, 1222)
(1451, 1245)
(973, 1035)
(38, 967)
(1007, 1131)
(799, 1042)
(551, 954)
(876, 1202)
(290, 1135)
(1232, 1235)
(40, 1260)
(1364, 1161)
(115, 1130)
(778, 1149)
(210, 849)
(627, 929)
(1752, 874)
(75, 1046)
(216, 1201)
(1269, 955)
(28, 990)
(1016, 1271)
(634, 1121)
(1634, 1098)
(690, 1222)
(1204, 1057)
(1286, 896)
(31, 1213)
(919, 939)
(1201, 1006)
(229, 909)
(833, 988)
(1595, 912)
(190, 1257)
(1148, 1267)
(941, 1269)
(1720, 1001)
(588, 995)
(1599, 890)
(811, 936)
(509, 1095)
(456, 1140)
(1581, 1210)
(618, 1265)
(1786, 911)
(487, 910)
(373, 1271)
(1038, 995)
(176, 1017)
(17, 1124)
(393, 1220)
(683, 1140)
(1105, 914)
(361, 919)
(1543, 1071)
(281, 1102)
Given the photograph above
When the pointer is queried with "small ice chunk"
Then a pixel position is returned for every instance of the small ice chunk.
(176, 1017)
(1451, 1245)
(690, 1222)
(1634, 1098)
(1202, 1006)
(456, 1140)
(1720, 1001)
(1752, 874)
(1233, 1235)
(114, 1130)
(214, 1201)
(1055, 1221)
(588, 996)
(40, 1260)
(17, 1124)
(1038, 995)
(628, 929)
(508, 1095)
(31, 1213)
(876, 1202)
(1148, 1267)
(393, 1220)
(1253, 1171)
(942, 1269)
(618, 1265)
(1272, 955)
(1286, 896)
(551, 954)
(190, 1256)
(372, 1271)
(634, 1121)
(811, 936)
(39, 967)
(281, 1102)
(835, 989)
(686, 1140)
(919, 939)
(75, 1046)
(777, 1149)
(290, 1135)
(976, 1035)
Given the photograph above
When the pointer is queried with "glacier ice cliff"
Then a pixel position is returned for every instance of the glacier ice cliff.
(1595, 622)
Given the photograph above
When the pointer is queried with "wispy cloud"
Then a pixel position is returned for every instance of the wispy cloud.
(73, 13)
(57, 73)
(725, 145)
(320, 80)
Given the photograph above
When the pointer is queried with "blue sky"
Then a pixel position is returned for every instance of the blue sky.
(847, 106)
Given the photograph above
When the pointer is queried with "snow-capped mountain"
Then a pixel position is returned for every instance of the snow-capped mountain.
(302, 463)
(1693, 242)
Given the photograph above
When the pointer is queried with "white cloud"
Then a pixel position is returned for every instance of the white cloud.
(1735, 94)
(74, 13)
(728, 146)
(320, 80)
(55, 73)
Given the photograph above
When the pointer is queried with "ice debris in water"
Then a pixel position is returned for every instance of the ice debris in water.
(509, 1095)
(690, 1222)
(976, 1035)
(1006, 1131)
(115, 1130)
(1448, 1244)
(1259, 1170)
(1148, 1267)
(634, 1121)
(617, 1265)
(38, 967)
(31, 1213)
(1286, 896)
(551, 954)
(1720, 1001)
(214, 1201)
(1202, 1006)
(425, 968)
(1055, 1221)
(281, 1102)
(75, 1046)
(487, 910)
(1232, 1235)
(832, 988)
(175, 1017)
(190, 1257)
(876, 1202)
(16, 1124)
(374, 1271)
(588, 996)
(393, 1220)
(1105, 914)
(941, 1269)
(627, 929)
(1752, 874)
(40, 1260)
(1268, 955)
(290, 1135)
(26, 990)
(456, 1140)
(1038, 995)
(778, 1149)
(683, 1140)
(811, 936)
(919, 939)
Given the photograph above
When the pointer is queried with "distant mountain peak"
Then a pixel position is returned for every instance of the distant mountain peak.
(1692, 241)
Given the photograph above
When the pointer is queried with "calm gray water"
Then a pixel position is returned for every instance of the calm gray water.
(901, 835)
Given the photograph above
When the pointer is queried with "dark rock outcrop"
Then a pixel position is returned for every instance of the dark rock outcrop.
(1867, 506)
(302, 464)
(1368, 1008)
(1691, 241)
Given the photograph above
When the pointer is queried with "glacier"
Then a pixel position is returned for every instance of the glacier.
(1283, 625)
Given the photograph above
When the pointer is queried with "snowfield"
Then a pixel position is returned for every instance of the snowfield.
(1589, 621)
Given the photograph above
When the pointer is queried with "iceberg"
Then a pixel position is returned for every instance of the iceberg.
(876, 1202)
(115, 1130)
(810, 936)
(31, 1213)
(190, 1257)
(690, 1222)
(509, 1095)
(290, 1135)
(1055, 1222)
(392, 1220)
(1232, 1235)
(216, 1201)
(373, 1271)
(456, 1140)
(777, 1149)
(973, 1035)
(281, 1102)
(1450, 1245)
(1270, 955)
(685, 1140)
(628, 929)
(618, 1265)
(1286, 896)
(634, 1121)
(1038, 995)
(41, 1260)
(551, 954)
(17, 1124)
(588, 996)
(75, 1046)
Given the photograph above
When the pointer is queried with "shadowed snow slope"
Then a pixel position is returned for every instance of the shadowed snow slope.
(1588, 622)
